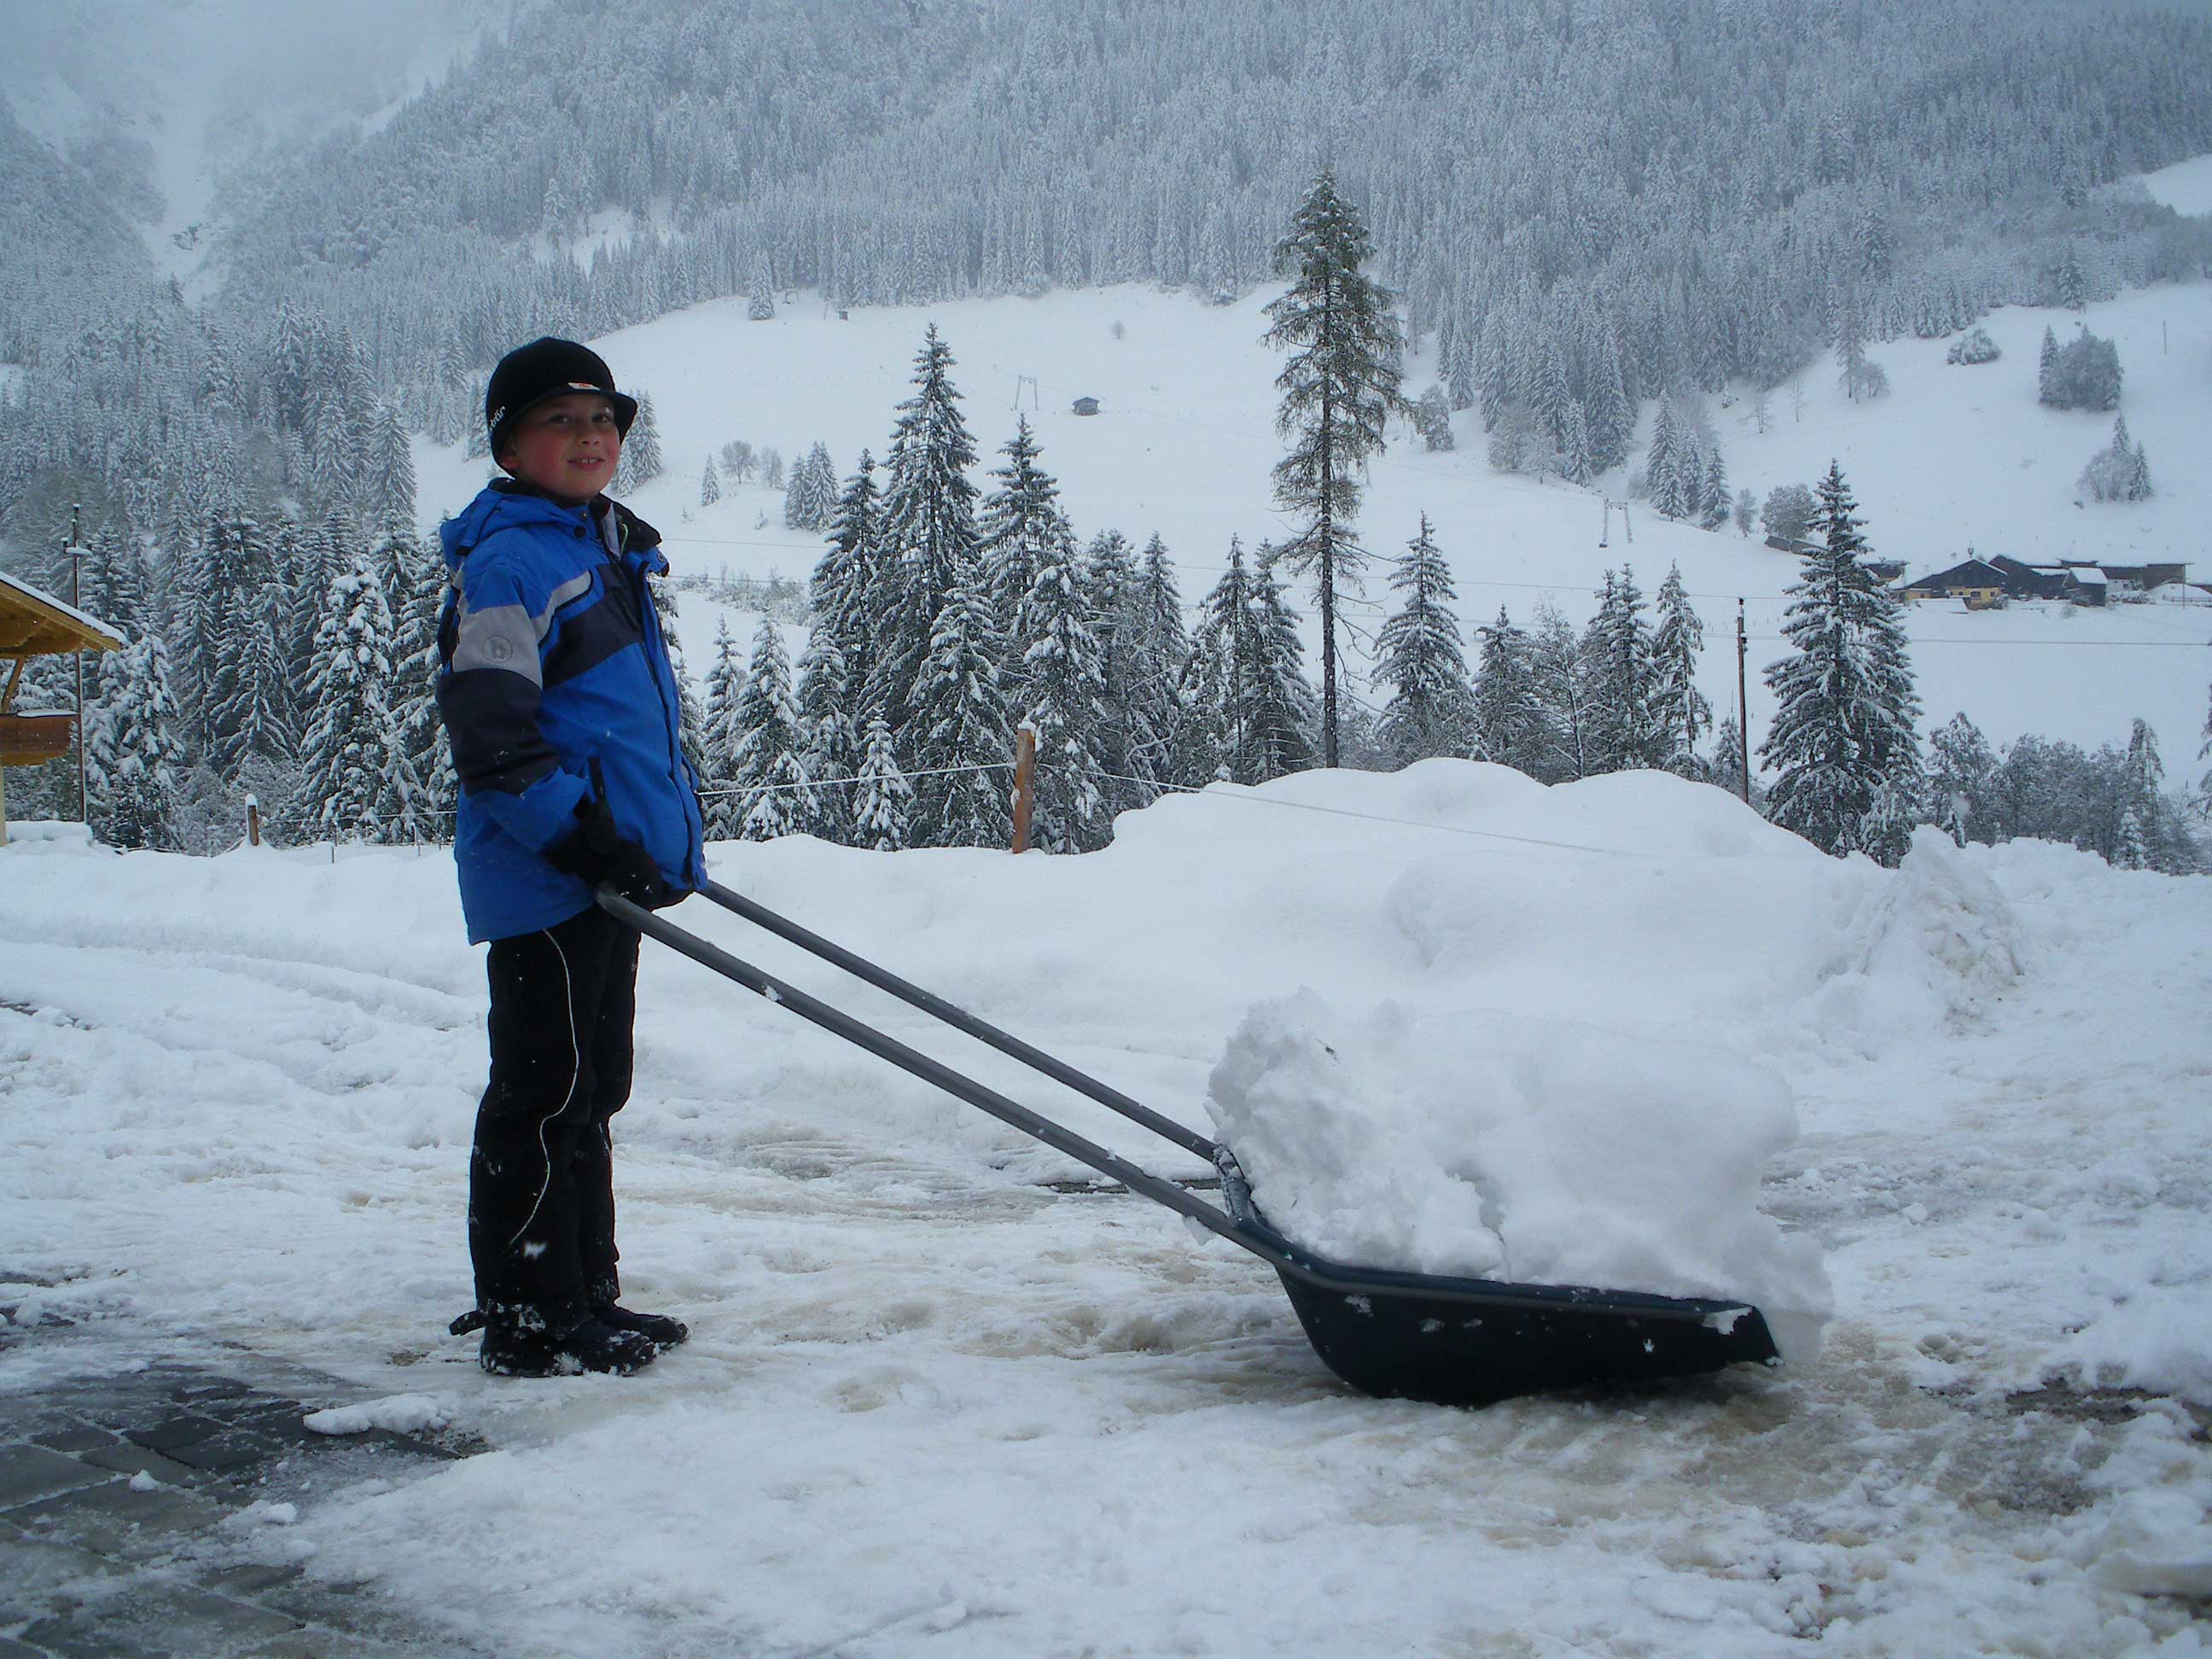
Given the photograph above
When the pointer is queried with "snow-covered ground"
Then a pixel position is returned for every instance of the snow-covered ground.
(934, 1402)
(2187, 187)
(1954, 459)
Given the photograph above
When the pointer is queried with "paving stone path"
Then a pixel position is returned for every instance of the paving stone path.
(113, 1488)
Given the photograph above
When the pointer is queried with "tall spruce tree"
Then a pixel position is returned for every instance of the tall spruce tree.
(414, 579)
(1562, 676)
(1023, 531)
(960, 737)
(1843, 738)
(768, 766)
(720, 804)
(145, 757)
(1683, 714)
(1506, 723)
(844, 584)
(1339, 388)
(1961, 792)
(882, 804)
(356, 783)
(929, 538)
(1422, 659)
(1251, 709)
(1627, 728)
(1152, 645)
(833, 748)
(1062, 693)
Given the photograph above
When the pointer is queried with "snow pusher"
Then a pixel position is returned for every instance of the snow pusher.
(1393, 1335)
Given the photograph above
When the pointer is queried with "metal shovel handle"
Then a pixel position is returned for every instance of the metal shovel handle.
(840, 1023)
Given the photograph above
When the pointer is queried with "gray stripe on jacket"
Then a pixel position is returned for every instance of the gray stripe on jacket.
(507, 635)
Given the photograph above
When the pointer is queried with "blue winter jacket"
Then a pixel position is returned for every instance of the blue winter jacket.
(554, 673)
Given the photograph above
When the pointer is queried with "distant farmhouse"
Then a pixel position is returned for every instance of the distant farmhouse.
(1982, 583)
(1086, 405)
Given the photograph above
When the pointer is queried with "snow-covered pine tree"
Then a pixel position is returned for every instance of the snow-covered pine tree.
(1683, 713)
(1626, 728)
(818, 500)
(1961, 793)
(2204, 752)
(1855, 374)
(1506, 723)
(356, 780)
(691, 719)
(959, 725)
(844, 584)
(767, 766)
(384, 493)
(796, 509)
(1714, 501)
(1023, 530)
(1110, 577)
(721, 805)
(1576, 465)
(1151, 648)
(1842, 737)
(1339, 388)
(2162, 839)
(1432, 420)
(416, 584)
(2046, 366)
(1724, 768)
(1422, 659)
(145, 758)
(1249, 707)
(1279, 737)
(1061, 693)
(929, 546)
(760, 305)
(1561, 681)
(641, 461)
(710, 484)
(882, 804)
(833, 749)
(1213, 702)
(1661, 465)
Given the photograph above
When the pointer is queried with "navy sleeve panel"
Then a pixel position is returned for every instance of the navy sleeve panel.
(491, 717)
(591, 634)
(488, 697)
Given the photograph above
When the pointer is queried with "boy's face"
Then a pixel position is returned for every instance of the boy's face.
(566, 447)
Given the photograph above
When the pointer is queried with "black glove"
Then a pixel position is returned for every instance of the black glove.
(598, 852)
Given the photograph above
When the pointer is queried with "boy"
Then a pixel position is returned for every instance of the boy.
(562, 708)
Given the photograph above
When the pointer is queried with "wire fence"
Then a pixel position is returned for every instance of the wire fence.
(299, 830)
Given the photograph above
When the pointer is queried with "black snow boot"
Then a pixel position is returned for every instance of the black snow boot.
(659, 1329)
(590, 1346)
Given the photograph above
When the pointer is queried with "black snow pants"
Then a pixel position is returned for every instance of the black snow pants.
(540, 1177)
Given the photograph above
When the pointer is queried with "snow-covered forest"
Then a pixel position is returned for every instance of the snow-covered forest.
(1583, 210)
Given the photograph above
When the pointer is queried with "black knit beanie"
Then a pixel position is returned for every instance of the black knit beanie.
(530, 375)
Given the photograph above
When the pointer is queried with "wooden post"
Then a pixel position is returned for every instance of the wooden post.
(253, 822)
(1025, 784)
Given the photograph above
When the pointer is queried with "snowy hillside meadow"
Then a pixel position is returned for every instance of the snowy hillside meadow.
(1954, 458)
(948, 1395)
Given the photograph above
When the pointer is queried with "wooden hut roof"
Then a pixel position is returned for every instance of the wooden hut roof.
(35, 624)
